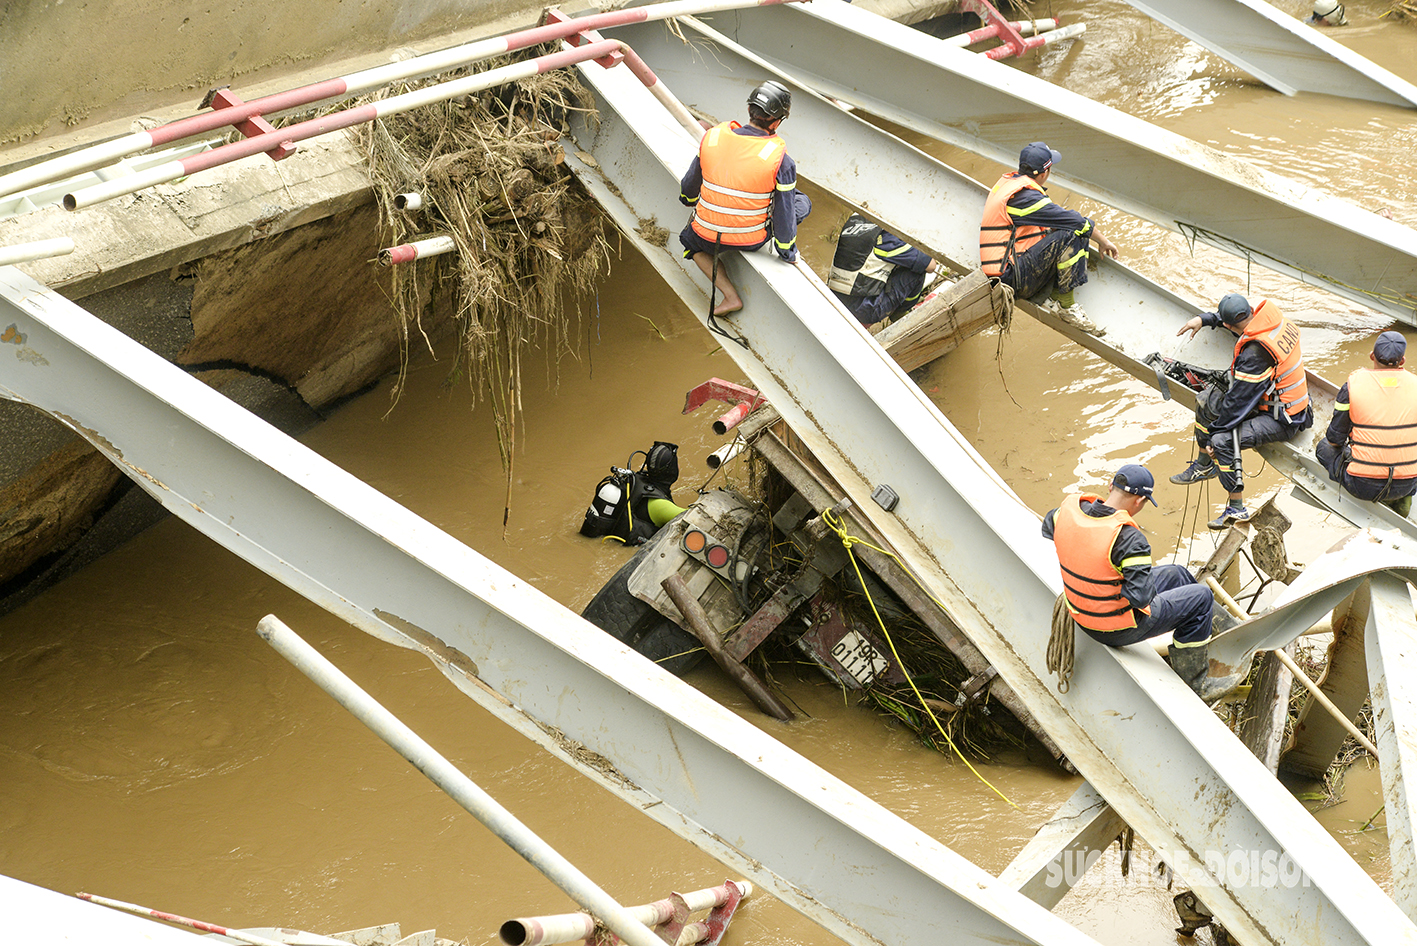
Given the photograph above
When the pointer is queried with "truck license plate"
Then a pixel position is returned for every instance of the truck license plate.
(858, 658)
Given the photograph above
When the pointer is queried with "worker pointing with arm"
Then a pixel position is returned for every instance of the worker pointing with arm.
(1267, 400)
(743, 191)
(1114, 592)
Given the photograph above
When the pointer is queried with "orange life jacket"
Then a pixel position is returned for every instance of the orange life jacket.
(1280, 337)
(740, 175)
(1092, 584)
(1382, 404)
(1001, 238)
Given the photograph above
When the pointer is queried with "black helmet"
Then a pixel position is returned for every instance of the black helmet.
(770, 100)
(662, 463)
(1233, 308)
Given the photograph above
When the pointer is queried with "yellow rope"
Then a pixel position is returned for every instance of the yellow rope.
(838, 525)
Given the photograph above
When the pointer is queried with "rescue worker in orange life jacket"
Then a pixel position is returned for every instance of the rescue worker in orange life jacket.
(1371, 444)
(1113, 591)
(1268, 398)
(874, 273)
(1032, 244)
(743, 190)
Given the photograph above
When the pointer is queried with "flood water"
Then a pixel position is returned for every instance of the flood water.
(154, 750)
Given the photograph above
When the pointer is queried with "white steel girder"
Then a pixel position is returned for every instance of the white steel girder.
(1280, 51)
(939, 209)
(1390, 637)
(711, 777)
(1164, 761)
(986, 107)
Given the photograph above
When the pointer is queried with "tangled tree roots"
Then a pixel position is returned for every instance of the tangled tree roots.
(490, 169)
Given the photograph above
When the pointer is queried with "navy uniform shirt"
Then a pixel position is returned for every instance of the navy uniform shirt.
(1030, 208)
(1253, 377)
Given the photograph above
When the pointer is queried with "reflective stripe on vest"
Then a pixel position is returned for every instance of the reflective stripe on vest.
(1092, 584)
(1382, 404)
(1280, 337)
(856, 269)
(1001, 237)
(740, 175)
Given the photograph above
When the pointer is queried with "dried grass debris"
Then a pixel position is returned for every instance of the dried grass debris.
(491, 171)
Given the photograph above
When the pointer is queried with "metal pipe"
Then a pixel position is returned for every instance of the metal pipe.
(1025, 28)
(173, 170)
(1319, 696)
(352, 84)
(39, 249)
(734, 416)
(1224, 598)
(1033, 42)
(458, 786)
(568, 927)
(725, 453)
(1322, 699)
(418, 249)
(252, 938)
(410, 201)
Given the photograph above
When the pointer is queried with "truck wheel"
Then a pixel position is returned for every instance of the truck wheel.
(639, 626)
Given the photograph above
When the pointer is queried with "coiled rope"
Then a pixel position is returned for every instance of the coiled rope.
(1060, 644)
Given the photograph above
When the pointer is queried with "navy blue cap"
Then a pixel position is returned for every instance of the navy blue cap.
(1037, 157)
(1390, 348)
(1233, 309)
(1135, 479)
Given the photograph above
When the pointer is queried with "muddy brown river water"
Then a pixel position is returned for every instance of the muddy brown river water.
(154, 750)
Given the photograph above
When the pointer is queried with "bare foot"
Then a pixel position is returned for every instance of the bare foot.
(728, 306)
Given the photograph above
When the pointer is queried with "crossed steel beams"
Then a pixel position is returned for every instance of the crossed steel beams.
(714, 779)
(933, 88)
(939, 208)
(1163, 760)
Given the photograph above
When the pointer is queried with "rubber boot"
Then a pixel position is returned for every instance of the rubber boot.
(1403, 506)
(1191, 664)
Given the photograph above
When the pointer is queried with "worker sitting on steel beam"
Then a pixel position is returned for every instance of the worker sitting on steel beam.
(1267, 399)
(1032, 244)
(1328, 13)
(1113, 591)
(1371, 444)
(743, 191)
(874, 273)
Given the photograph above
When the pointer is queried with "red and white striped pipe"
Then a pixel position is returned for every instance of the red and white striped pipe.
(418, 249)
(1025, 28)
(353, 84)
(241, 935)
(172, 170)
(569, 927)
(1033, 42)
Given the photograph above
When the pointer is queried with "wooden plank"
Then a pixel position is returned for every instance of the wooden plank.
(938, 325)
(1267, 710)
